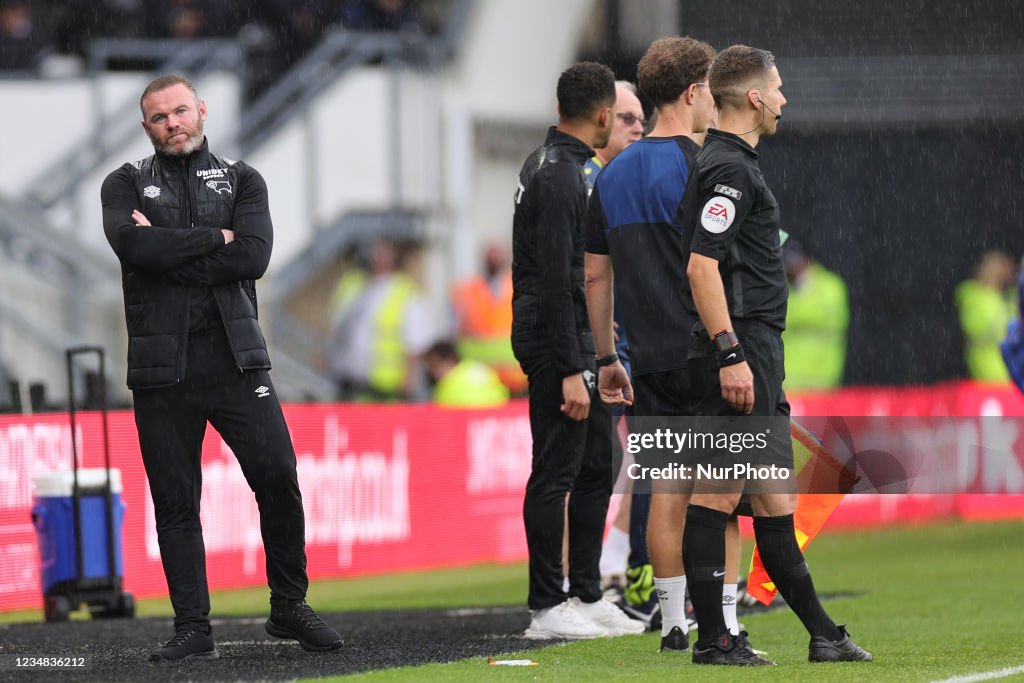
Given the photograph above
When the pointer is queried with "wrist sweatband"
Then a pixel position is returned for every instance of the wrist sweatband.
(731, 356)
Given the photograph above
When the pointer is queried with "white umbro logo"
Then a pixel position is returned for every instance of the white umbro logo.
(262, 391)
(152, 191)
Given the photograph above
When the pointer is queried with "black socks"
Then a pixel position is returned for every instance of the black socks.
(704, 559)
(785, 565)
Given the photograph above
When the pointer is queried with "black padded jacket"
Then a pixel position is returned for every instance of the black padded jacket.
(183, 254)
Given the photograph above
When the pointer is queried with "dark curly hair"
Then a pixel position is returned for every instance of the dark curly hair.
(670, 65)
(735, 70)
(583, 88)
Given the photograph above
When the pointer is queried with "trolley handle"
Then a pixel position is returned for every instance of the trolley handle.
(70, 355)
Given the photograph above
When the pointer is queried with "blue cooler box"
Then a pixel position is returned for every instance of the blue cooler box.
(54, 518)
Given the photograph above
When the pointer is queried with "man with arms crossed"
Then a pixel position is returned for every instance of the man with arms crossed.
(738, 288)
(192, 231)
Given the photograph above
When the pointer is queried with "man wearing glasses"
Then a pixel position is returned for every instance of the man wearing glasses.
(627, 128)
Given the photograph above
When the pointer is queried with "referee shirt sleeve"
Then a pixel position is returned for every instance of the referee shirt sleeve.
(726, 197)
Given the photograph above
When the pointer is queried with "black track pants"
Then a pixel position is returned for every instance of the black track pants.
(243, 407)
(567, 456)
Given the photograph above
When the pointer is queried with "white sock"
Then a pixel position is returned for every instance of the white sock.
(615, 552)
(672, 600)
(729, 608)
(565, 584)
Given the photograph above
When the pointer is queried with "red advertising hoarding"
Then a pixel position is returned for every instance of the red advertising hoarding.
(395, 488)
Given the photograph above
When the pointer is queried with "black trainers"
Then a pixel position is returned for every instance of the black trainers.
(728, 650)
(186, 645)
(298, 621)
(676, 641)
(843, 650)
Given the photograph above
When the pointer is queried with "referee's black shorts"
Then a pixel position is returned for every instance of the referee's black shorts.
(668, 393)
(762, 347)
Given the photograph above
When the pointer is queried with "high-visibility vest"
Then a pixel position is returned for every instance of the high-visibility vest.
(470, 384)
(815, 338)
(485, 327)
(984, 315)
(349, 287)
(389, 369)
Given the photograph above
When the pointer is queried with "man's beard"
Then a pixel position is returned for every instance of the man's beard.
(193, 141)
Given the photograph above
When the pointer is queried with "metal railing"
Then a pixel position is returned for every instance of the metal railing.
(81, 274)
(41, 242)
(291, 97)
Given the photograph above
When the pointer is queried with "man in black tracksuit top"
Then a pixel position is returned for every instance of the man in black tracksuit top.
(738, 288)
(193, 231)
(552, 341)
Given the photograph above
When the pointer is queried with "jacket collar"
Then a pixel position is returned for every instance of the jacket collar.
(571, 144)
(731, 139)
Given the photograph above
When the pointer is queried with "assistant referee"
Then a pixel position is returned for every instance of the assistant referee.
(738, 288)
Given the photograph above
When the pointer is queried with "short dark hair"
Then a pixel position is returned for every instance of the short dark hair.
(583, 88)
(443, 349)
(670, 65)
(164, 82)
(735, 70)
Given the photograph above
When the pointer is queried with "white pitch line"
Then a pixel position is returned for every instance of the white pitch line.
(258, 642)
(479, 611)
(984, 676)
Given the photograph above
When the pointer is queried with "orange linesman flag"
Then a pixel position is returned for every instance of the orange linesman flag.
(817, 470)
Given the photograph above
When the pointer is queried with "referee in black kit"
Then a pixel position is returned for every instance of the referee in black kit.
(551, 337)
(738, 288)
(193, 231)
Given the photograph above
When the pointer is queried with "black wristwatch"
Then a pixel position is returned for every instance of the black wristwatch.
(605, 361)
(725, 340)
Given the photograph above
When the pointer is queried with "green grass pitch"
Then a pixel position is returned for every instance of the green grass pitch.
(930, 602)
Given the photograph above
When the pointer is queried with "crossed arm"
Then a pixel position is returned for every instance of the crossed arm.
(200, 255)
